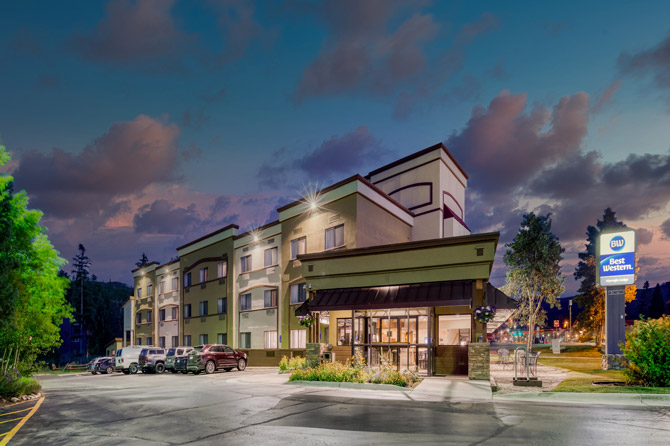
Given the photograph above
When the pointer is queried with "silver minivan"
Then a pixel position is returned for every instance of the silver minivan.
(127, 359)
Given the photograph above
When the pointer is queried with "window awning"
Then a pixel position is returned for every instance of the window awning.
(430, 294)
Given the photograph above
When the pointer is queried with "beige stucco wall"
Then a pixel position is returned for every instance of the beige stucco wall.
(376, 226)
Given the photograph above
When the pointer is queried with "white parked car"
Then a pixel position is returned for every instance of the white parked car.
(127, 359)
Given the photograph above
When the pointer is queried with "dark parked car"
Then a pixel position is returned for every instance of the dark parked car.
(173, 355)
(180, 364)
(211, 357)
(104, 364)
(152, 360)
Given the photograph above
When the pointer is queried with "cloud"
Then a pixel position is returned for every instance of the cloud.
(470, 31)
(338, 156)
(161, 217)
(196, 119)
(665, 229)
(503, 147)
(606, 97)
(644, 236)
(125, 160)
(142, 33)
(654, 62)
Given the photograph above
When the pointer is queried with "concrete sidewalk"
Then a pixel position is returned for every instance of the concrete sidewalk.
(612, 399)
(451, 389)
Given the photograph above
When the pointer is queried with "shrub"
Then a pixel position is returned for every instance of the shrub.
(13, 384)
(648, 352)
(290, 364)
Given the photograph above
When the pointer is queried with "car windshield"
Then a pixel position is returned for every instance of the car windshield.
(143, 352)
(119, 352)
(170, 352)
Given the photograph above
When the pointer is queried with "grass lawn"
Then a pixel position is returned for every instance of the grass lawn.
(585, 364)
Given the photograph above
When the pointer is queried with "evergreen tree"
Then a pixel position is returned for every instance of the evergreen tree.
(591, 296)
(81, 265)
(657, 307)
(143, 261)
(534, 272)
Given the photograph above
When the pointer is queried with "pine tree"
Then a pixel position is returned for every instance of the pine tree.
(657, 307)
(81, 265)
(143, 261)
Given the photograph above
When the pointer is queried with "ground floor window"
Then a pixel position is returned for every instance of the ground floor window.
(298, 338)
(454, 329)
(245, 340)
(203, 339)
(150, 341)
(161, 341)
(222, 338)
(271, 339)
(187, 340)
(175, 341)
(139, 341)
(344, 331)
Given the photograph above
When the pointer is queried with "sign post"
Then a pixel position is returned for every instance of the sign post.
(616, 269)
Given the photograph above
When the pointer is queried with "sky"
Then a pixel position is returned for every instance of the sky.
(137, 126)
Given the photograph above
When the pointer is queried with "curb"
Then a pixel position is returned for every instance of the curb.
(345, 385)
(616, 399)
(13, 432)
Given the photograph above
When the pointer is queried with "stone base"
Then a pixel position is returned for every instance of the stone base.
(614, 362)
(313, 353)
(533, 382)
(479, 361)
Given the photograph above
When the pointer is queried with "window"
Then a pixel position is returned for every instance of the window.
(298, 338)
(203, 339)
(298, 246)
(150, 289)
(161, 314)
(161, 287)
(222, 305)
(245, 302)
(271, 256)
(148, 315)
(138, 318)
(245, 264)
(344, 331)
(271, 339)
(454, 329)
(203, 275)
(222, 338)
(222, 269)
(245, 340)
(175, 283)
(187, 280)
(139, 293)
(149, 340)
(335, 237)
(204, 308)
(187, 340)
(270, 300)
(175, 341)
(161, 341)
(139, 341)
(174, 313)
(187, 311)
(298, 294)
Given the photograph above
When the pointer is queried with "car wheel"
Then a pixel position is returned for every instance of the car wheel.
(185, 372)
(160, 368)
(196, 372)
(133, 369)
(126, 371)
(173, 370)
(241, 365)
(93, 373)
(109, 370)
(210, 367)
(228, 369)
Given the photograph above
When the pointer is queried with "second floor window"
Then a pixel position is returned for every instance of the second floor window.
(270, 298)
(139, 293)
(150, 290)
(245, 302)
(203, 275)
(222, 269)
(187, 310)
(271, 256)
(149, 316)
(161, 314)
(187, 280)
(335, 237)
(298, 246)
(161, 287)
(174, 313)
(222, 306)
(298, 294)
(203, 308)
(245, 264)
(175, 283)
(138, 318)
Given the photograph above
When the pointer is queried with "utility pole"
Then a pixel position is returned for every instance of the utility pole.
(570, 315)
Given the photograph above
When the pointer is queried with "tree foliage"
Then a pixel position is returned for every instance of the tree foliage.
(534, 273)
(657, 307)
(143, 261)
(589, 295)
(32, 294)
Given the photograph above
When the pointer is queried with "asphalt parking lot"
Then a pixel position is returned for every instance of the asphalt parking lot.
(256, 407)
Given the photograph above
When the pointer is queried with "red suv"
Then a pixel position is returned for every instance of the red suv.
(211, 357)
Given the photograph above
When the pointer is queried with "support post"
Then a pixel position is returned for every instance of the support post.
(615, 322)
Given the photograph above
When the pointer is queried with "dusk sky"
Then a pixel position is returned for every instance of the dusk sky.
(137, 126)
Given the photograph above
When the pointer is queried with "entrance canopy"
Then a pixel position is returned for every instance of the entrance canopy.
(431, 294)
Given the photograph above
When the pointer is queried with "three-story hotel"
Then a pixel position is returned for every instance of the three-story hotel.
(384, 265)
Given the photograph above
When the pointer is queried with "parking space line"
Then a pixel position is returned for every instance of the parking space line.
(9, 413)
(8, 435)
(20, 402)
(9, 421)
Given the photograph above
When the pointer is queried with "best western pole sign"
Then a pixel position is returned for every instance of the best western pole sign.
(615, 254)
(616, 257)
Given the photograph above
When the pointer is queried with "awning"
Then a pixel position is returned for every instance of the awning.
(431, 294)
(504, 304)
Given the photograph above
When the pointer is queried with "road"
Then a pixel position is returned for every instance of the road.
(255, 408)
